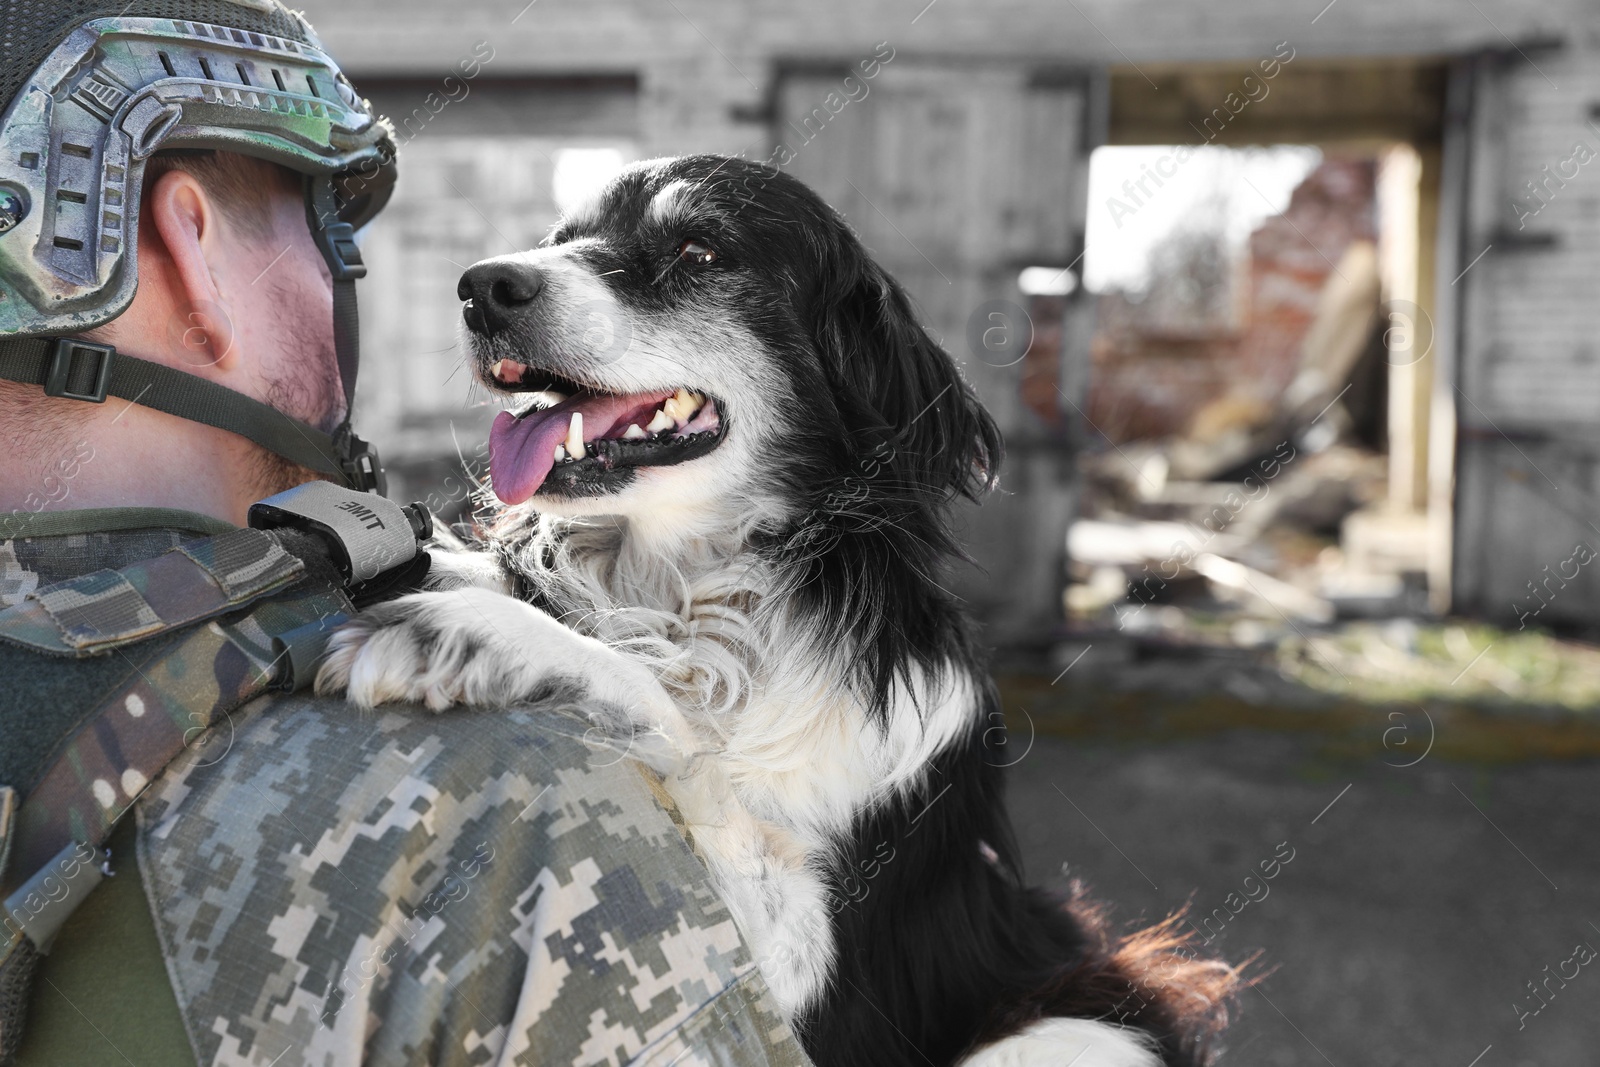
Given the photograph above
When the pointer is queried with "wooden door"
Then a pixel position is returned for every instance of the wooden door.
(957, 176)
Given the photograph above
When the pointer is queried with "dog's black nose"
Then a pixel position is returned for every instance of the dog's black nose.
(495, 291)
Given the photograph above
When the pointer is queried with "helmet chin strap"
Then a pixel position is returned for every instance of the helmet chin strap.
(336, 240)
(82, 370)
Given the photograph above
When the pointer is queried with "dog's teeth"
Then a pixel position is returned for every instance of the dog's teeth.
(561, 453)
(682, 405)
(662, 421)
(506, 371)
(634, 433)
(575, 436)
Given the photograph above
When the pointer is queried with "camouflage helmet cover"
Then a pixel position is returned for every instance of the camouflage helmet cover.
(92, 89)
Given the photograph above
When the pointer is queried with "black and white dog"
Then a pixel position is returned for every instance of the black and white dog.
(727, 478)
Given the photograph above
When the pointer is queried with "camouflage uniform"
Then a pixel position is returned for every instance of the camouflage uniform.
(479, 888)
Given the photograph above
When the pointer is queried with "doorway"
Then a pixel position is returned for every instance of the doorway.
(1260, 250)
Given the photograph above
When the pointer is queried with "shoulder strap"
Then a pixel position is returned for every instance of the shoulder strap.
(109, 609)
(159, 695)
(238, 624)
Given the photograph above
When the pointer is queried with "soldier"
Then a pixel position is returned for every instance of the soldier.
(290, 883)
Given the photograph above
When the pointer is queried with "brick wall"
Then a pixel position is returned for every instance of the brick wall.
(1535, 358)
(1151, 384)
(1528, 486)
(697, 58)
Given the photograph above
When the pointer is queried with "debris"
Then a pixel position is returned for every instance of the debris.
(1279, 596)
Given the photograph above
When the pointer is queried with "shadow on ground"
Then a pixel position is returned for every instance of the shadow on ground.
(1446, 856)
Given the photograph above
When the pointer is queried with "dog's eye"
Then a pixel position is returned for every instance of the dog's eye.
(697, 252)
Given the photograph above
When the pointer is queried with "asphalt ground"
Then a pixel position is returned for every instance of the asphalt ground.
(1443, 858)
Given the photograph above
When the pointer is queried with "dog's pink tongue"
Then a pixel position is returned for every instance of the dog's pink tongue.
(522, 451)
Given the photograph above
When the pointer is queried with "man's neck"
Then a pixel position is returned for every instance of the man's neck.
(119, 455)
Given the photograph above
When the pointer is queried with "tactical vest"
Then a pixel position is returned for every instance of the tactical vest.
(143, 661)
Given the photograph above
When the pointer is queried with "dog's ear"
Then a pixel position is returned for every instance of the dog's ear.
(907, 436)
(902, 397)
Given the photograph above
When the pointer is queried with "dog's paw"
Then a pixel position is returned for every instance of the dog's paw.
(480, 648)
(434, 649)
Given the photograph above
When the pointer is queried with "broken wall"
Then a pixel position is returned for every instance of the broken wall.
(1151, 381)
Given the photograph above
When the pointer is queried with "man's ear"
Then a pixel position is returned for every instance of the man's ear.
(892, 382)
(190, 228)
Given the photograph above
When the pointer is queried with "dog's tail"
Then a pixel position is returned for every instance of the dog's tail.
(1159, 979)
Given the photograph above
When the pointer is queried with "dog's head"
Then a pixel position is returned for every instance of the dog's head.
(708, 335)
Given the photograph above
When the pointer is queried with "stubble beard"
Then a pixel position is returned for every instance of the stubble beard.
(308, 389)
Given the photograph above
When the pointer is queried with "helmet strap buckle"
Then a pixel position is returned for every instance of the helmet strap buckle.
(337, 242)
(68, 364)
(359, 461)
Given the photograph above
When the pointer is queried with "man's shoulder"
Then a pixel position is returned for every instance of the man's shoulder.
(489, 886)
(476, 879)
(320, 756)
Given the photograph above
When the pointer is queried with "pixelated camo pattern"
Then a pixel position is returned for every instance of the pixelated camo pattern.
(490, 886)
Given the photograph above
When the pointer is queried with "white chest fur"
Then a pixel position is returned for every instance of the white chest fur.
(784, 756)
(1069, 1043)
(790, 769)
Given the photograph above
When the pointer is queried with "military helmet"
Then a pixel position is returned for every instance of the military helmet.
(91, 91)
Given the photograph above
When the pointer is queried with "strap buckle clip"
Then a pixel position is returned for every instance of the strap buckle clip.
(359, 462)
(337, 240)
(64, 365)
